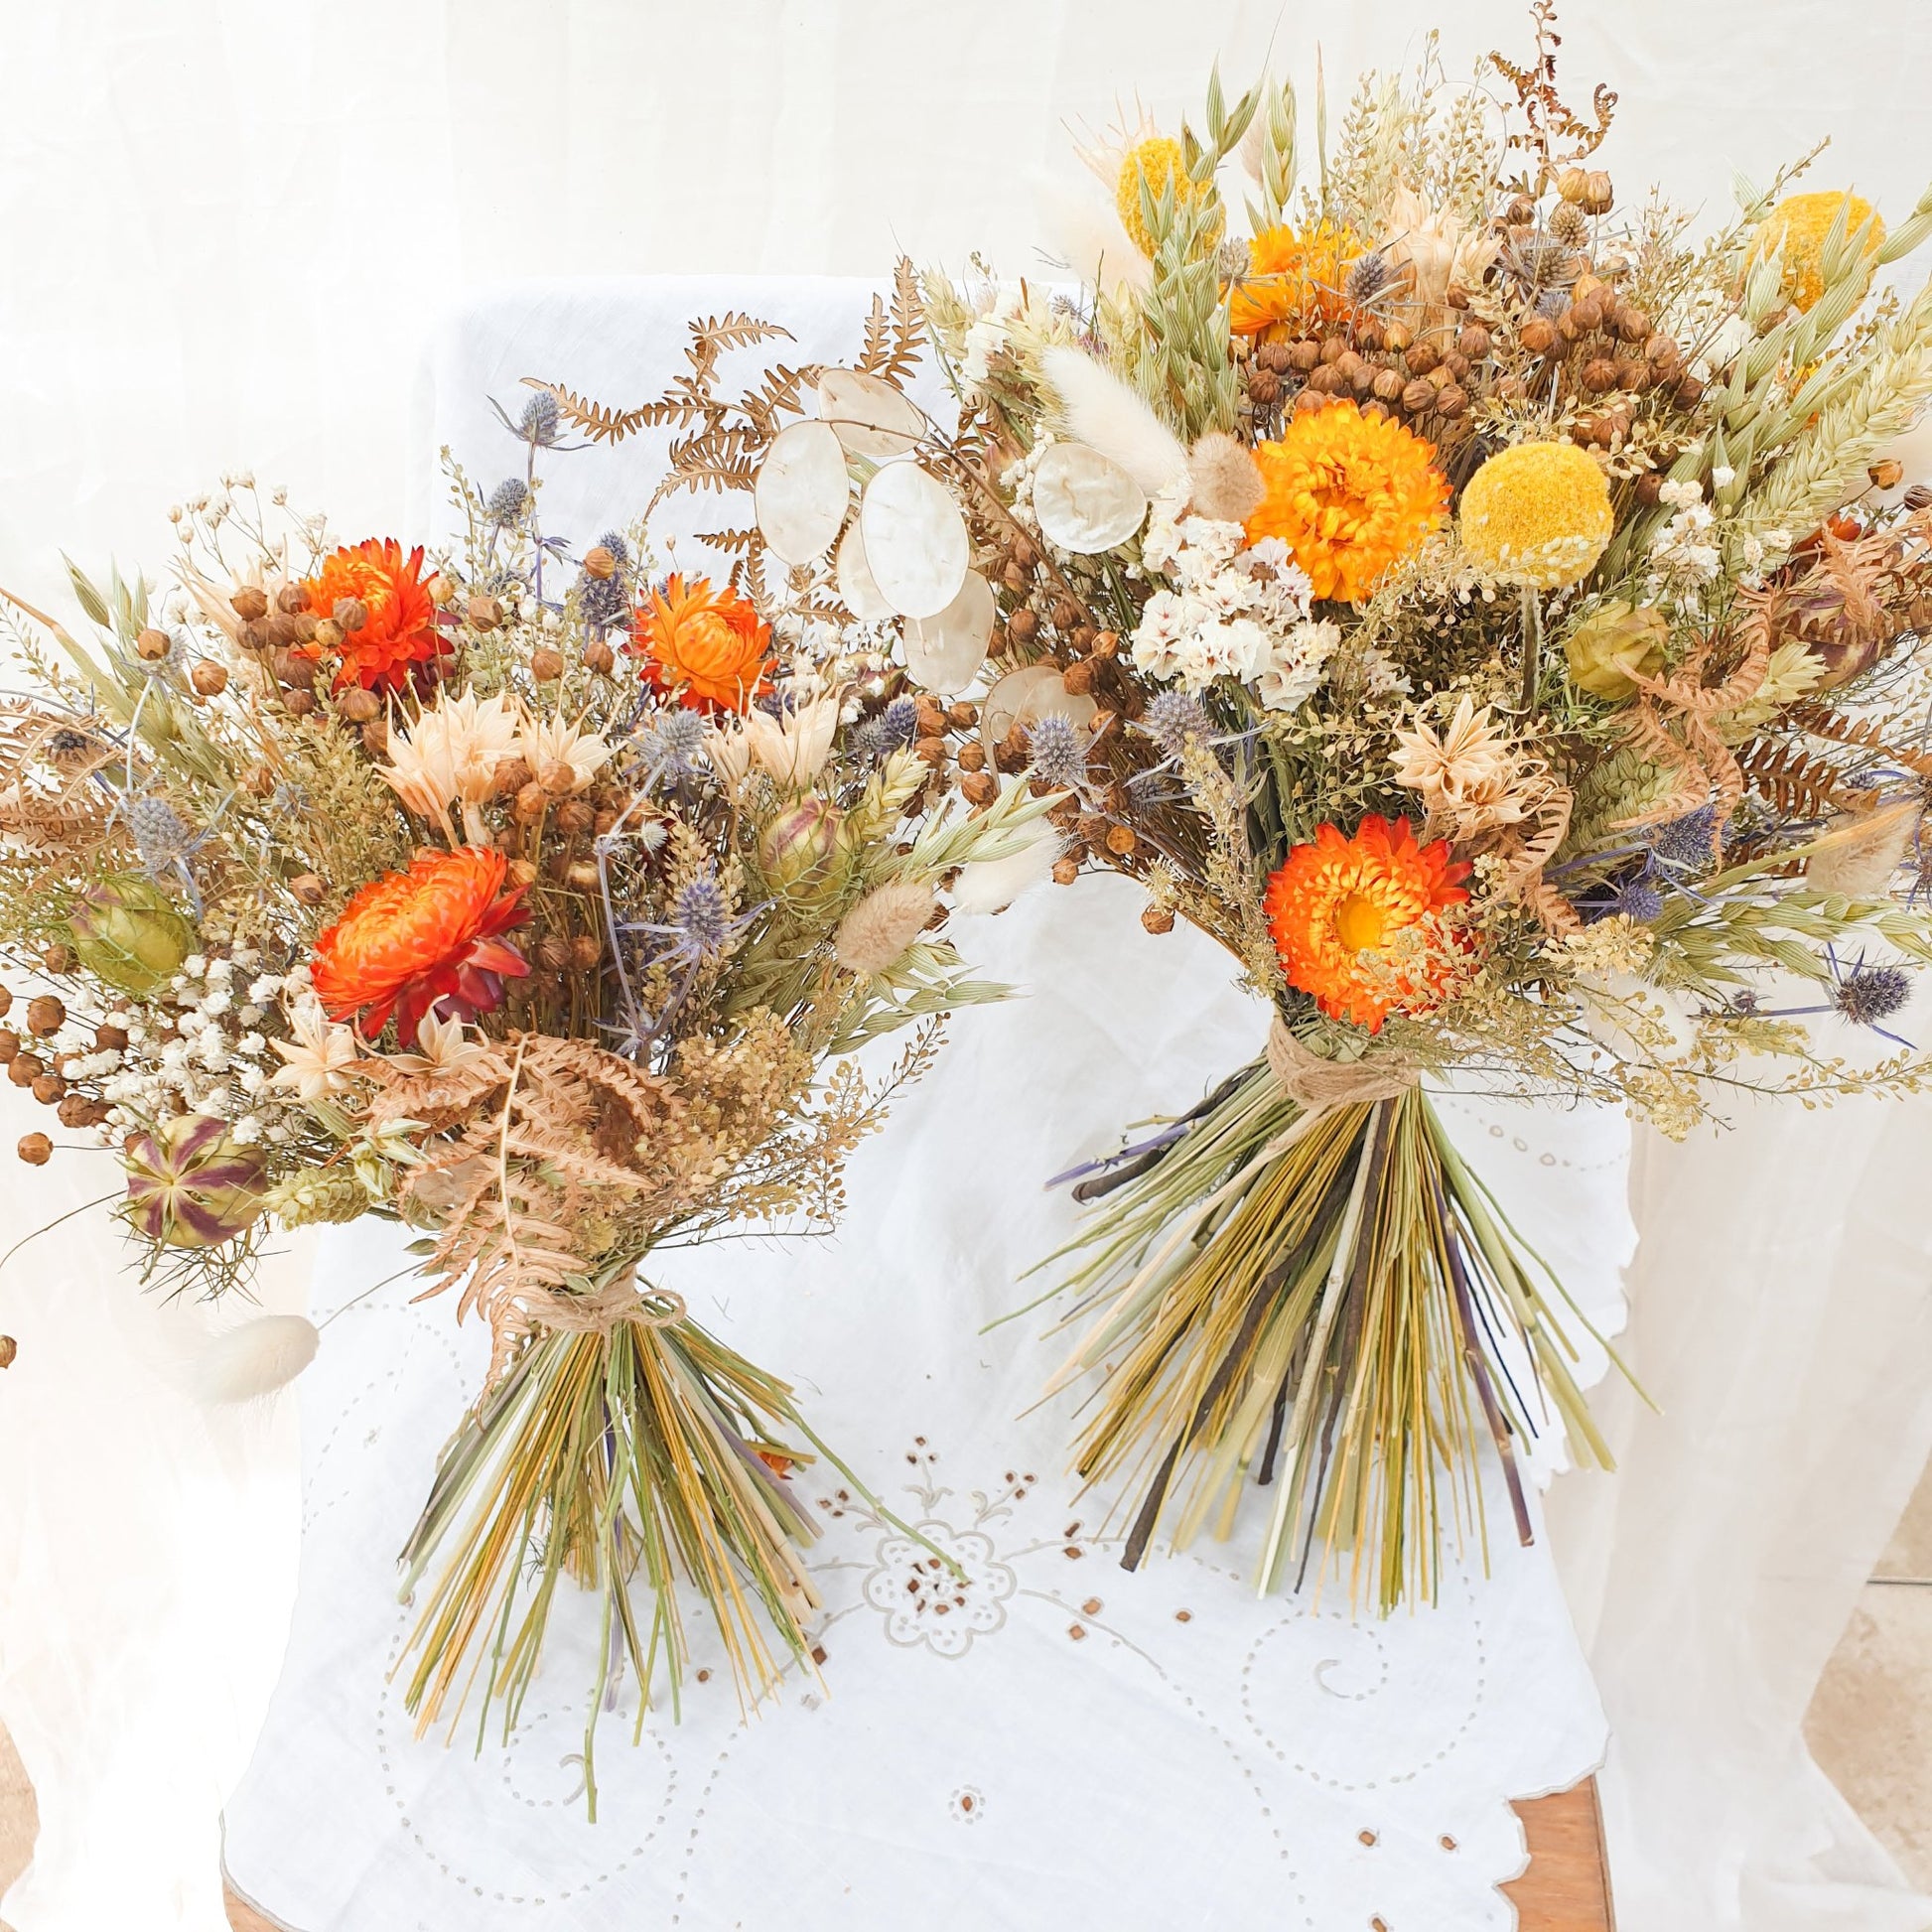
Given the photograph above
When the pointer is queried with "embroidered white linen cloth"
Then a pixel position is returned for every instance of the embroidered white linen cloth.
(1047, 1741)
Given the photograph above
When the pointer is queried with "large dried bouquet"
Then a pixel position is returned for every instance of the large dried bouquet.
(1494, 617)
(538, 903)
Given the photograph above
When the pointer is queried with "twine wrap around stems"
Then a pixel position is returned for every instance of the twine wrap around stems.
(532, 1309)
(1315, 1084)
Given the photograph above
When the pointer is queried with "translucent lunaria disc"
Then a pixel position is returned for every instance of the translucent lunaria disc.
(1052, 699)
(944, 653)
(856, 592)
(1003, 701)
(915, 539)
(871, 417)
(1085, 502)
(802, 492)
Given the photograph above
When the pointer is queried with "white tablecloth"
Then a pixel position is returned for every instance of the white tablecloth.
(1052, 1743)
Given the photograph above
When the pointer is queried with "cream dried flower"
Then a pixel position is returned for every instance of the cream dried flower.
(444, 1049)
(1439, 249)
(450, 755)
(791, 750)
(547, 741)
(874, 936)
(1469, 776)
(319, 1056)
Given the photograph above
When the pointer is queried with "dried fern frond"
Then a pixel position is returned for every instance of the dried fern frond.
(1796, 784)
(896, 340)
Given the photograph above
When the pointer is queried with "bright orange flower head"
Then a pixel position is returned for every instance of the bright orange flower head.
(1350, 495)
(400, 631)
(710, 649)
(423, 941)
(1339, 910)
(1294, 274)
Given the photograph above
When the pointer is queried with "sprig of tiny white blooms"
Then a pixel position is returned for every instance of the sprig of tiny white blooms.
(1232, 608)
(225, 1018)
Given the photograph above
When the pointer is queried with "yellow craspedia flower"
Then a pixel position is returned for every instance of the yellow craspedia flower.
(1349, 494)
(1798, 226)
(1537, 515)
(1154, 159)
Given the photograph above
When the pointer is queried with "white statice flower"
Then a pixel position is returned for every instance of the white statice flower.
(988, 336)
(1232, 610)
(1382, 675)
(1297, 665)
(261, 990)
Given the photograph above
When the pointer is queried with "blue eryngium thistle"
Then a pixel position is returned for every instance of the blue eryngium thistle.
(1639, 900)
(888, 730)
(161, 835)
(539, 422)
(1057, 752)
(603, 601)
(613, 541)
(1868, 995)
(1687, 841)
(701, 918)
(506, 502)
(1173, 719)
(668, 742)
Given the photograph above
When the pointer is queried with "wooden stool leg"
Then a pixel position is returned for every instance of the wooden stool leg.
(1567, 1885)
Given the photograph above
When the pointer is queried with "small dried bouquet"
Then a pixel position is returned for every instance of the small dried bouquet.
(538, 903)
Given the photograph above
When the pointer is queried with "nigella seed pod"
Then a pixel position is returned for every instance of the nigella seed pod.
(799, 843)
(128, 934)
(191, 1184)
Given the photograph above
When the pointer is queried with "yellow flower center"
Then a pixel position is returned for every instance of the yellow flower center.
(1360, 922)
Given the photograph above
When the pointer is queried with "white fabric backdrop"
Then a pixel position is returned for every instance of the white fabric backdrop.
(229, 226)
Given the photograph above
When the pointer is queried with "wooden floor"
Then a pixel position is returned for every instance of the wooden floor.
(1566, 1888)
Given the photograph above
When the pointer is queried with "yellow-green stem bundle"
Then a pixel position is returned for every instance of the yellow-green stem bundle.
(636, 1451)
(1330, 1304)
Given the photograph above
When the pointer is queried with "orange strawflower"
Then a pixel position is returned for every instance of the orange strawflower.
(421, 942)
(400, 631)
(1350, 494)
(1294, 274)
(710, 649)
(1357, 923)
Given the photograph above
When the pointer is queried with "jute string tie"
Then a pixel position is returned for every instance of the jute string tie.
(1317, 1085)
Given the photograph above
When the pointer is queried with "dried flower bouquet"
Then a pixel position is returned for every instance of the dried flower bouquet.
(538, 903)
(1495, 619)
